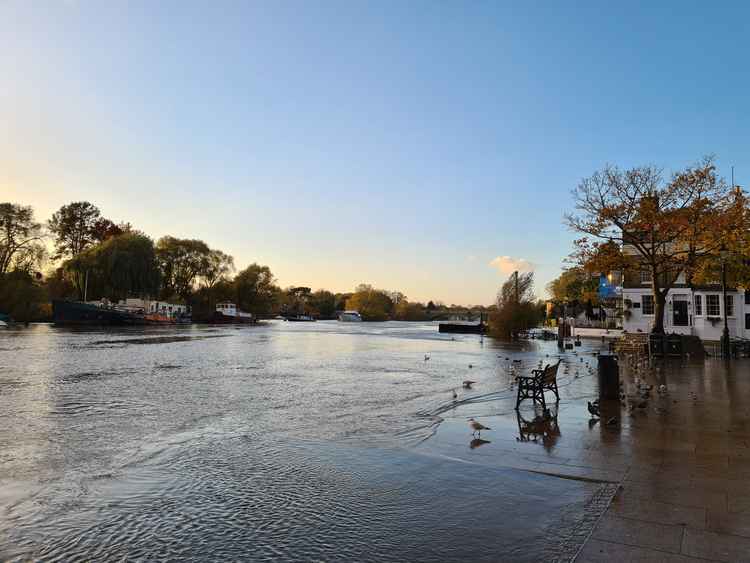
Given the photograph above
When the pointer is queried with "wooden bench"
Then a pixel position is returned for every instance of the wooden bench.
(541, 380)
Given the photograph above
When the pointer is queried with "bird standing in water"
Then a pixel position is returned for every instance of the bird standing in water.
(455, 396)
(467, 384)
(477, 427)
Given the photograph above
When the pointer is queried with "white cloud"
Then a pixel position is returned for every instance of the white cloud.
(506, 265)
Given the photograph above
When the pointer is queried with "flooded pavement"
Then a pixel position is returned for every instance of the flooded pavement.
(337, 441)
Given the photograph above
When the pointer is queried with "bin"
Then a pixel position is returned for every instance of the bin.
(656, 343)
(674, 345)
(609, 378)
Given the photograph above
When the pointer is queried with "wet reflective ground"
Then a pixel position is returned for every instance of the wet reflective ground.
(287, 442)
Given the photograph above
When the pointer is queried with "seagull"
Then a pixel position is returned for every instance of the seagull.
(467, 384)
(454, 395)
(477, 427)
(470, 366)
(593, 410)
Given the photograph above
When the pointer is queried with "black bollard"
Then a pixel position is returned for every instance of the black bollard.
(609, 378)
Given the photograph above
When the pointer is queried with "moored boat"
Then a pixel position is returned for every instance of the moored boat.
(78, 312)
(350, 317)
(300, 319)
(228, 313)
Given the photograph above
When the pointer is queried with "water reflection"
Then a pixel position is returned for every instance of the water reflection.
(478, 442)
(543, 427)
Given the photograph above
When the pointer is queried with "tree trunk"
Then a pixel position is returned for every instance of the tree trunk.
(660, 299)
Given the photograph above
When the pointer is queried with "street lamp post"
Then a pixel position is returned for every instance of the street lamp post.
(725, 344)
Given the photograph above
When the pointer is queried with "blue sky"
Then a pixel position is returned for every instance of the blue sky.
(403, 144)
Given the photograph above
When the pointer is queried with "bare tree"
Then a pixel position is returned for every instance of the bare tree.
(20, 238)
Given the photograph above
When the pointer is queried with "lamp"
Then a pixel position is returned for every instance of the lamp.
(725, 342)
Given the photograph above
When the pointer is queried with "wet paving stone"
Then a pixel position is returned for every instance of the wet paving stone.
(638, 533)
(716, 547)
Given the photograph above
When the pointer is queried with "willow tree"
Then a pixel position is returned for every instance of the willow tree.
(182, 262)
(256, 290)
(634, 219)
(516, 308)
(121, 266)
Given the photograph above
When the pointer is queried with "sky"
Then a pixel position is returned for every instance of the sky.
(426, 147)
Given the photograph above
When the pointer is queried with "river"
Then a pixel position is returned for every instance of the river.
(281, 442)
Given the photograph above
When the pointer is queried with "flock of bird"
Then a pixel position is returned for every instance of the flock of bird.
(477, 427)
(635, 401)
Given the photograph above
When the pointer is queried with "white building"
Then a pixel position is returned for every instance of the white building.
(696, 310)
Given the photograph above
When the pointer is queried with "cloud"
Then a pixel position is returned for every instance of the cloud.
(506, 265)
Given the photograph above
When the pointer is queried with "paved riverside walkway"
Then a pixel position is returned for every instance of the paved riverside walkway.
(685, 492)
(676, 471)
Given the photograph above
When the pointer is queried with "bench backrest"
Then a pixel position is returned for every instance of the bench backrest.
(550, 373)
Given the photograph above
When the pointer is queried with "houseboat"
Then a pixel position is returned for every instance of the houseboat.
(228, 313)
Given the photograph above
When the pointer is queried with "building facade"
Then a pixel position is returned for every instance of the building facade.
(696, 310)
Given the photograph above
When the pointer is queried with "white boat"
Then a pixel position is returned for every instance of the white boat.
(3, 324)
(227, 312)
(350, 317)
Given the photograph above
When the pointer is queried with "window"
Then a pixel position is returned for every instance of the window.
(747, 297)
(712, 306)
(648, 304)
(698, 305)
(747, 321)
(729, 304)
(646, 276)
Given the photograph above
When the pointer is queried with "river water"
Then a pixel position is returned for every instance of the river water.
(282, 442)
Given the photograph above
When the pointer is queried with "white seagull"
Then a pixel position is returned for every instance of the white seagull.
(477, 427)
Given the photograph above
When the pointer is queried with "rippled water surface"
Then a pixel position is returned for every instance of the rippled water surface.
(283, 442)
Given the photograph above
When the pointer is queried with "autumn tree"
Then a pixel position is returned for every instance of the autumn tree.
(104, 228)
(408, 311)
(634, 219)
(373, 304)
(21, 238)
(574, 285)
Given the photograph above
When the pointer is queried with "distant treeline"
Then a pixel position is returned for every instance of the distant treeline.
(79, 254)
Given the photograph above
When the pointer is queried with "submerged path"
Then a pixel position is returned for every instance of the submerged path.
(675, 473)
